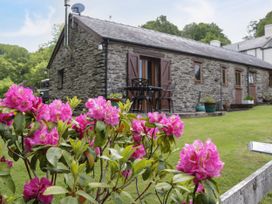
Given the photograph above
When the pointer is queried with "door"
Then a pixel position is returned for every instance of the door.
(238, 87)
(165, 83)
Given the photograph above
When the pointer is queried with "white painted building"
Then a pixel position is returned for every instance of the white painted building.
(260, 47)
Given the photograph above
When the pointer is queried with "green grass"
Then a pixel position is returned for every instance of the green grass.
(231, 133)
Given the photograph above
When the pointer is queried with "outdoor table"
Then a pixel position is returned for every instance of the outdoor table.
(153, 90)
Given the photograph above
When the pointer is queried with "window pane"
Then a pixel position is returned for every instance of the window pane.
(251, 78)
(197, 72)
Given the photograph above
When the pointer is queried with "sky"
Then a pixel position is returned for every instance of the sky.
(29, 23)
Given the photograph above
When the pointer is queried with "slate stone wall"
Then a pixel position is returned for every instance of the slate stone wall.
(84, 72)
(83, 64)
(182, 73)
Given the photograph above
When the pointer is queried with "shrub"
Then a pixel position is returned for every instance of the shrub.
(101, 153)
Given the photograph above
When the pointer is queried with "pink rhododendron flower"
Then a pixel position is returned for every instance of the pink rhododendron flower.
(60, 111)
(200, 160)
(8, 162)
(20, 98)
(139, 129)
(139, 152)
(100, 109)
(156, 117)
(42, 137)
(6, 118)
(82, 123)
(174, 126)
(35, 188)
(127, 173)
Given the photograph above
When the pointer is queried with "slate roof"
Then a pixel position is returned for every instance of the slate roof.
(136, 35)
(260, 42)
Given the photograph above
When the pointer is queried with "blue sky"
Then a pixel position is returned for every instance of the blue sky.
(29, 23)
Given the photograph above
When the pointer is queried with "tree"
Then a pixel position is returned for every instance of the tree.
(161, 24)
(20, 66)
(204, 32)
(256, 27)
(4, 86)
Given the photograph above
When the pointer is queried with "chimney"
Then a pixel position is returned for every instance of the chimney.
(215, 43)
(268, 30)
(66, 26)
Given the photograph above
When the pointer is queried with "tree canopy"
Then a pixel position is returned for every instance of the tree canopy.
(204, 32)
(256, 27)
(200, 32)
(161, 24)
(17, 65)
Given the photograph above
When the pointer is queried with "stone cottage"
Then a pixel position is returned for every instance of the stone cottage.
(104, 56)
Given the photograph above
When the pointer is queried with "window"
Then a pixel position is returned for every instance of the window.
(149, 68)
(238, 78)
(251, 77)
(224, 76)
(198, 72)
(60, 78)
(270, 79)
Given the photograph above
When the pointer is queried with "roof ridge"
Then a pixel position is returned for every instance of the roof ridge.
(195, 47)
(150, 30)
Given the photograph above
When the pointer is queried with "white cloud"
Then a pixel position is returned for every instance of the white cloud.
(33, 26)
(197, 10)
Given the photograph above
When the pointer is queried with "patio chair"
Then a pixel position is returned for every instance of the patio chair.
(141, 95)
(166, 97)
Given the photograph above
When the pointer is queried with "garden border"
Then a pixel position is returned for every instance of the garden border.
(252, 189)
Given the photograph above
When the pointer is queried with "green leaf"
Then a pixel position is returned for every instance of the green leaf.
(100, 129)
(53, 155)
(115, 154)
(8, 182)
(140, 165)
(163, 187)
(126, 194)
(86, 195)
(126, 153)
(69, 200)
(116, 198)
(98, 185)
(4, 169)
(55, 190)
(19, 123)
(181, 178)
(62, 128)
(211, 189)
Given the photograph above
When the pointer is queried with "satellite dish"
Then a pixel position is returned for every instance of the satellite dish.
(78, 8)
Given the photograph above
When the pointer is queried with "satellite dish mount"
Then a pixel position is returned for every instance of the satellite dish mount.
(78, 8)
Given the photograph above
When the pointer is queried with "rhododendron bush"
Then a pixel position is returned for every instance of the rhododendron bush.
(98, 155)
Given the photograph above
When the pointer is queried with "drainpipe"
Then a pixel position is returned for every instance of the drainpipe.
(247, 80)
(105, 45)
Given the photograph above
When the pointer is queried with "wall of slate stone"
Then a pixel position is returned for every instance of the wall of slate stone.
(83, 64)
(84, 71)
(182, 73)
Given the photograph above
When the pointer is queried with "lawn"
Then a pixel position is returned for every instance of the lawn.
(231, 133)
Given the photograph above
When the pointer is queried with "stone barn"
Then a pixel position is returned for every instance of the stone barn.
(104, 56)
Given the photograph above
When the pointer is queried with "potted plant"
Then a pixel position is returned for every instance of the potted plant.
(199, 106)
(210, 104)
(248, 100)
(115, 98)
(226, 105)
